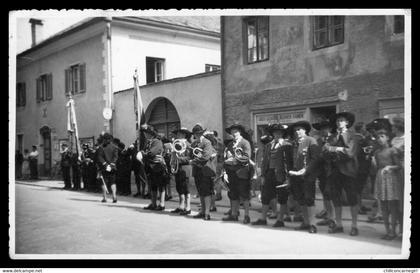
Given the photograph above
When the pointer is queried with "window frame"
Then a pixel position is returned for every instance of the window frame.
(329, 29)
(44, 87)
(75, 79)
(257, 20)
(394, 24)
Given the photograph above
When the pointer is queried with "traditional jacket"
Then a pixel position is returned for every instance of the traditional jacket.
(206, 163)
(345, 161)
(65, 158)
(239, 164)
(153, 155)
(278, 157)
(306, 153)
(108, 155)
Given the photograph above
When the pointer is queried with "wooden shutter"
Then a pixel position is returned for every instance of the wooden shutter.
(82, 78)
(17, 94)
(38, 89)
(67, 82)
(23, 94)
(49, 92)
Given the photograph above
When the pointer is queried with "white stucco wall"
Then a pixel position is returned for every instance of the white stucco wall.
(183, 56)
(89, 105)
(197, 99)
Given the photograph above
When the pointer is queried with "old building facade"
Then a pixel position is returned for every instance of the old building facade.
(93, 59)
(287, 68)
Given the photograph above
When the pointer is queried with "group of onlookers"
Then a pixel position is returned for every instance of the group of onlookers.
(26, 164)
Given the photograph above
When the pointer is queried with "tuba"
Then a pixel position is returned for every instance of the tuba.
(179, 146)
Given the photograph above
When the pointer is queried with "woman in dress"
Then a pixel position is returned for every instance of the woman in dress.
(388, 186)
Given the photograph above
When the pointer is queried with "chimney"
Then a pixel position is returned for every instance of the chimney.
(36, 30)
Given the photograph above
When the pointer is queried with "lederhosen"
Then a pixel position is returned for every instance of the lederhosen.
(305, 155)
(181, 179)
(203, 170)
(239, 174)
(155, 168)
(276, 162)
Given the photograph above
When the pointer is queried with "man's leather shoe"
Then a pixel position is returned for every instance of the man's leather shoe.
(354, 231)
(312, 229)
(185, 212)
(177, 210)
(114, 201)
(103, 200)
(206, 217)
(247, 220)
(160, 208)
(213, 209)
(150, 207)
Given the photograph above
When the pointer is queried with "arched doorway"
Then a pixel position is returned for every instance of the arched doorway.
(162, 115)
(46, 140)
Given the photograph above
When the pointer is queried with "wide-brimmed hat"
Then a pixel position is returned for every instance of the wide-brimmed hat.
(322, 124)
(277, 127)
(107, 136)
(350, 117)
(380, 123)
(236, 126)
(302, 123)
(148, 129)
(182, 130)
(198, 129)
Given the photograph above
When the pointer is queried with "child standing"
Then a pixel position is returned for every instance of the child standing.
(388, 186)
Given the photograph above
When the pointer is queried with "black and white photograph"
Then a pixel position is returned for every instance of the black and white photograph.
(210, 134)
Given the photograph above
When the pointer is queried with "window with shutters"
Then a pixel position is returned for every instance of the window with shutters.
(327, 31)
(155, 69)
(256, 39)
(75, 79)
(163, 116)
(20, 94)
(44, 89)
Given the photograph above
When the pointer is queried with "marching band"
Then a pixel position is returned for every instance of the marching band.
(294, 160)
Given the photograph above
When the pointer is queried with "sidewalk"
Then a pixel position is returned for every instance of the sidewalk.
(224, 203)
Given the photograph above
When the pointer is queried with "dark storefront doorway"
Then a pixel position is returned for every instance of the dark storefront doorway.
(46, 140)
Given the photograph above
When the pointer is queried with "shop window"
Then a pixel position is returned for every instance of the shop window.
(75, 79)
(398, 24)
(327, 31)
(256, 39)
(44, 90)
(155, 69)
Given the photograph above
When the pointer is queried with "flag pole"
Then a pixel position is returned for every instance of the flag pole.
(136, 89)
